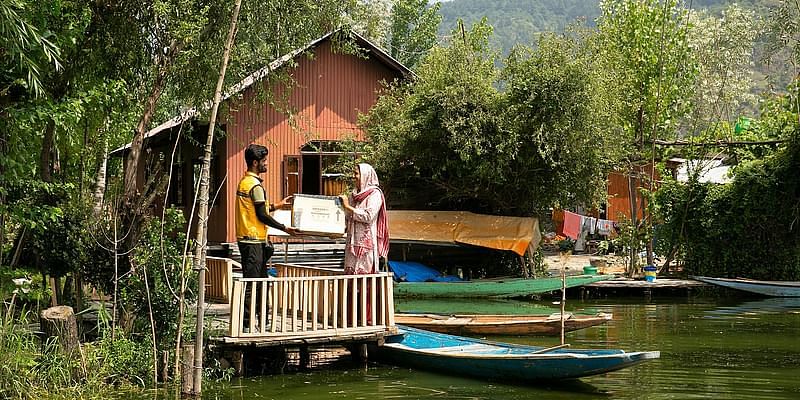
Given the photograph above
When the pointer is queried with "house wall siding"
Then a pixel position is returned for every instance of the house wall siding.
(619, 206)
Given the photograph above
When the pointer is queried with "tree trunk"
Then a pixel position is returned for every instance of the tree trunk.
(164, 365)
(100, 180)
(135, 153)
(45, 157)
(59, 322)
(647, 224)
(632, 252)
(202, 209)
(55, 283)
(66, 293)
(79, 294)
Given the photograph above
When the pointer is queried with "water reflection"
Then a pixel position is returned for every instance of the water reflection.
(710, 349)
(396, 383)
(760, 306)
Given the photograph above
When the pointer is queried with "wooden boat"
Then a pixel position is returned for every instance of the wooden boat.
(477, 324)
(766, 288)
(482, 359)
(496, 288)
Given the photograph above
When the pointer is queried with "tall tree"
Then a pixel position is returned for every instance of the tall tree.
(202, 221)
(644, 45)
(784, 37)
(412, 30)
(723, 47)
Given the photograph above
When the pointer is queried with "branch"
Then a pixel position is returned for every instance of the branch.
(717, 143)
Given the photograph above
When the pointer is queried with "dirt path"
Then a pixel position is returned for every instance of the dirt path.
(575, 263)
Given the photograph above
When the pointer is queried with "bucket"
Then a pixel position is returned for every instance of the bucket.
(649, 273)
(589, 270)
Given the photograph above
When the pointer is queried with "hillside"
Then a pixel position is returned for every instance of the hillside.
(519, 21)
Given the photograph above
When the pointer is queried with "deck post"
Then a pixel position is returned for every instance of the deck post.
(305, 358)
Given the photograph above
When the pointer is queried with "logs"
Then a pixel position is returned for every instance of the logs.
(59, 322)
(187, 369)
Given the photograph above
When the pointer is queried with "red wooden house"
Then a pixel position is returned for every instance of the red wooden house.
(328, 90)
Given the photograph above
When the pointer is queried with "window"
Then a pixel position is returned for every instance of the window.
(318, 169)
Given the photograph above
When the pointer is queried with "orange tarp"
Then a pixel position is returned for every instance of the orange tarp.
(495, 232)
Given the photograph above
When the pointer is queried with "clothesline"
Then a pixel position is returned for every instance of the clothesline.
(576, 224)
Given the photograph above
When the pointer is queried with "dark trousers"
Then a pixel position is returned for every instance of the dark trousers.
(254, 265)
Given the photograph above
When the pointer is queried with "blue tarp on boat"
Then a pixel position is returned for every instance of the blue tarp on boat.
(409, 271)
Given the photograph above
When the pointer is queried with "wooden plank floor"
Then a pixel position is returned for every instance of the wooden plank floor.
(341, 340)
(220, 313)
(659, 283)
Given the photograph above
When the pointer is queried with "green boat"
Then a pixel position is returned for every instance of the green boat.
(491, 288)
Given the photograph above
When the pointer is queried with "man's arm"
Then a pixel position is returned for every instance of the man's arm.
(259, 198)
(264, 217)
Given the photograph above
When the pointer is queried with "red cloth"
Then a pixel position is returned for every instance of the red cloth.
(572, 225)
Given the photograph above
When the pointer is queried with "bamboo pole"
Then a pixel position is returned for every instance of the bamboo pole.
(202, 212)
(564, 257)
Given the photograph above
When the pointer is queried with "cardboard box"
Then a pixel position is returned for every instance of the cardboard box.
(282, 216)
(318, 215)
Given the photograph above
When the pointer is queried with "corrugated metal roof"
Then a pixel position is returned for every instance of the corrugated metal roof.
(260, 74)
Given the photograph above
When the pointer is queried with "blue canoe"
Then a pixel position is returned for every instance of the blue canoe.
(766, 288)
(482, 359)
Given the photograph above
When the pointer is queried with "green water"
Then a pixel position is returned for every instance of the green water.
(720, 349)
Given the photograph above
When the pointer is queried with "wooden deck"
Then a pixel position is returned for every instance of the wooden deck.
(310, 305)
(659, 283)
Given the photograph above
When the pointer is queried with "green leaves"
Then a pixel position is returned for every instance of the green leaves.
(745, 228)
(457, 140)
(412, 30)
(644, 43)
(25, 48)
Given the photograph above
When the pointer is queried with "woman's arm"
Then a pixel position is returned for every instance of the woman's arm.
(367, 213)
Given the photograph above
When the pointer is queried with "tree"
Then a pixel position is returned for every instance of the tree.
(644, 45)
(437, 132)
(25, 50)
(456, 142)
(723, 47)
(784, 37)
(557, 118)
(412, 30)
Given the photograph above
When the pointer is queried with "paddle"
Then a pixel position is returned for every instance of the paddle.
(560, 346)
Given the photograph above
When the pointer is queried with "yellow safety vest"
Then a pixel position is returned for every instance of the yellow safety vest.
(248, 226)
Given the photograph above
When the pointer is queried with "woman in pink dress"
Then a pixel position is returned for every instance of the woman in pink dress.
(367, 225)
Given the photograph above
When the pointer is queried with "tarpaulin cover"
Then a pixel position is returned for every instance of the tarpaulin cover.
(409, 271)
(495, 232)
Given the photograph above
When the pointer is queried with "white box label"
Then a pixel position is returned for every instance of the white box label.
(317, 214)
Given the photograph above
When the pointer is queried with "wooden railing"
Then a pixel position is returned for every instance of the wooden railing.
(219, 278)
(311, 302)
(303, 271)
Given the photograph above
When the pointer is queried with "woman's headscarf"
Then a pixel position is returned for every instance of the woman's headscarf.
(369, 183)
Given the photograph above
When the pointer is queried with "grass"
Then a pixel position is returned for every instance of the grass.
(33, 369)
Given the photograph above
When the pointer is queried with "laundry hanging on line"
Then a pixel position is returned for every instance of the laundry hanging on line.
(574, 224)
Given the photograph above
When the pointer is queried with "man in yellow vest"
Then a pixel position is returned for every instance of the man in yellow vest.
(252, 219)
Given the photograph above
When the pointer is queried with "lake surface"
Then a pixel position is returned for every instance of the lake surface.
(710, 348)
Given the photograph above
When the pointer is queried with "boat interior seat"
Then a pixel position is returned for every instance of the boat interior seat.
(474, 348)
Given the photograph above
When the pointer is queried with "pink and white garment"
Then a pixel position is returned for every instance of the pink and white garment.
(604, 227)
(367, 226)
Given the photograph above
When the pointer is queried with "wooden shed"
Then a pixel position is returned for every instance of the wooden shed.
(302, 123)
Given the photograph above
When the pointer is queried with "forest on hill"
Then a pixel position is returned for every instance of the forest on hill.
(519, 21)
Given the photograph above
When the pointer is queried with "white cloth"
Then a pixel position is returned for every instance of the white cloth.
(592, 225)
(362, 227)
(604, 227)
